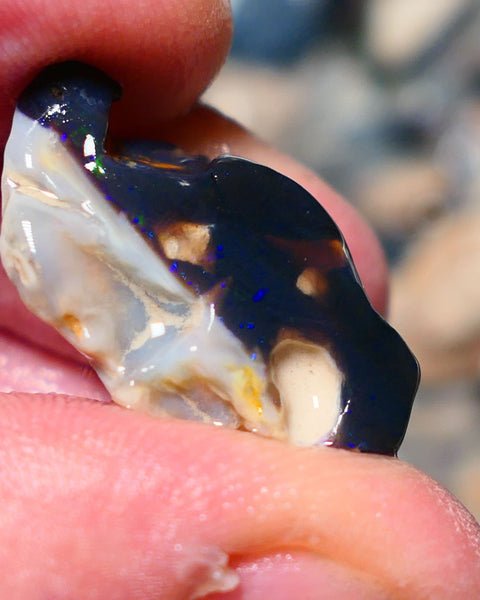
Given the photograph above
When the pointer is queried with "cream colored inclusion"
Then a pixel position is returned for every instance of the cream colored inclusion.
(185, 241)
(310, 386)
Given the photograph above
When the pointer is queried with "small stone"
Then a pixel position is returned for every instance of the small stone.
(401, 33)
(436, 298)
(399, 196)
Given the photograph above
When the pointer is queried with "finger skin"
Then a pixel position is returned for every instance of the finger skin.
(164, 53)
(29, 368)
(115, 504)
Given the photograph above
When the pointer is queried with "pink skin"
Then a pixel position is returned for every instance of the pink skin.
(99, 502)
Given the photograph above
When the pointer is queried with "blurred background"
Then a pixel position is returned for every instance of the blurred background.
(382, 99)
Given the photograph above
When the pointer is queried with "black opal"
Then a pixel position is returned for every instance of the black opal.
(266, 231)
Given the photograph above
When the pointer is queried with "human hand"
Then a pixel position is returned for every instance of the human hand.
(99, 502)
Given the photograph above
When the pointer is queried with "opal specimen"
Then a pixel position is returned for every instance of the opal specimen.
(219, 291)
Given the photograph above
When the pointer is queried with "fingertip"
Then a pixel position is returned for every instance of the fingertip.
(167, 498)
(163, 53)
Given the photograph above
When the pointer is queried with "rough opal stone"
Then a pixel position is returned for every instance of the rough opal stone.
(218, 290)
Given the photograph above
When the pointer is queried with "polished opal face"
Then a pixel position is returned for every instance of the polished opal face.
(219, 291)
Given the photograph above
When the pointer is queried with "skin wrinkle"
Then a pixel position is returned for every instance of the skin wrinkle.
(270, 567)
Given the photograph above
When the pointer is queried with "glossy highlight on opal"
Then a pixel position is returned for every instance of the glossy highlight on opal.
(219, 291)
